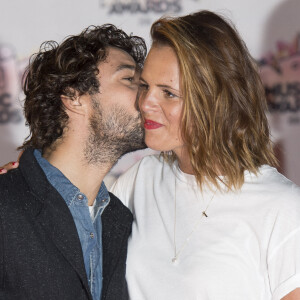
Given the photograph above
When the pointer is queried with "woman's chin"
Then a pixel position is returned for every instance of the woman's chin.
(156, 147)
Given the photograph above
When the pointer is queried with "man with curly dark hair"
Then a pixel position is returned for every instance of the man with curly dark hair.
(63, 236)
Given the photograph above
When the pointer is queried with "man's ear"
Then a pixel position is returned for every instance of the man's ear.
(75, 104)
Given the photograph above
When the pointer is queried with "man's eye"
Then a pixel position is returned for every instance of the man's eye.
(130, 79)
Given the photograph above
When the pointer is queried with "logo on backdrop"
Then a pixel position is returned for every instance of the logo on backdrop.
(280, 73)
(142, 6)
(10, 78)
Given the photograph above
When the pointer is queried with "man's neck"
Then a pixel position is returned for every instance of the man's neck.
(71, 162)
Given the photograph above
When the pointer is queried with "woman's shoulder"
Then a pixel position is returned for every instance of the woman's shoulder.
(144, 168)
(269, 178)
(152, 160)
(276, 189)
(148, 163)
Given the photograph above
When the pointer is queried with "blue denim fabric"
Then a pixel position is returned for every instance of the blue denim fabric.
(89, 227)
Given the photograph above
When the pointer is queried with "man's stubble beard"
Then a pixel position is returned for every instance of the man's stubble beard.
(112, 135)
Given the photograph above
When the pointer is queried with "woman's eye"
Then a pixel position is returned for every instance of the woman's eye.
(169, 94)
(143, 86)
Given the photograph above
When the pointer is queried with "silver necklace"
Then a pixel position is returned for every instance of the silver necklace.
(203, 214)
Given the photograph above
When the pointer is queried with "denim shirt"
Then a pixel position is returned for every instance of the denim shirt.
(88, 226)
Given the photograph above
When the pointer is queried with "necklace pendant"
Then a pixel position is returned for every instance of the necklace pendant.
(204, 214)
(174, 259)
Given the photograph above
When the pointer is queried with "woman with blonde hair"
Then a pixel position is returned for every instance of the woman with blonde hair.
(213, 219)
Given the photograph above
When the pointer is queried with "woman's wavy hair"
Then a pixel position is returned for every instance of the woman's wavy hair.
(223, 121)
(68, 69)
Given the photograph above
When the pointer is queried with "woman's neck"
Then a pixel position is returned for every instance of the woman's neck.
(184, 161)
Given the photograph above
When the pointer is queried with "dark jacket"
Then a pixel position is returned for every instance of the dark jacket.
(40, 251)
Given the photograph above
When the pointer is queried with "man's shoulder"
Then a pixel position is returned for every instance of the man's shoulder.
(13, 193)
(16, 186)
(9, 176)
(11, 182)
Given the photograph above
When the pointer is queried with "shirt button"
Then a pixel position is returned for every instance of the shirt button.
(91, 235)
(80, 197)
(103, 200)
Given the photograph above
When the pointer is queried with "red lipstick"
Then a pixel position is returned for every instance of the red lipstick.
(149, 124)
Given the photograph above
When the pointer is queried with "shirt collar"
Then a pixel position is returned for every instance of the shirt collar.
(62, 184)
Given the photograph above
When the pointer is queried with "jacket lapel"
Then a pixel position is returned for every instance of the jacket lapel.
(59, 224)
(54, 215)
(116, 226)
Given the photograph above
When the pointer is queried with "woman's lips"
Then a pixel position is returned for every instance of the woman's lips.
(149, 124)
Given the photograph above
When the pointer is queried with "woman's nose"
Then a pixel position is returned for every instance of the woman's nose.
(147, 100)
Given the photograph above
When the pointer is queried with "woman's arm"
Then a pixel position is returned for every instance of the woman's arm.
(294, 295)
(9, 166)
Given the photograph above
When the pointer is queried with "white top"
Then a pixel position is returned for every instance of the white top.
(247, 248)
(92, 209)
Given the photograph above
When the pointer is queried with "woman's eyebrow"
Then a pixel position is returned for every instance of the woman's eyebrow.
(161, 85)
(166, 86)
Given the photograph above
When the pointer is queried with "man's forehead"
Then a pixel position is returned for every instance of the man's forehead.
(116, 57)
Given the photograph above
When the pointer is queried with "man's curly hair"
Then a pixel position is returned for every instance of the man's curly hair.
(67, 69)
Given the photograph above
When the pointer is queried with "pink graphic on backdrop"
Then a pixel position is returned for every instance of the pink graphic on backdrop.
(11, 71)
(280, 74)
